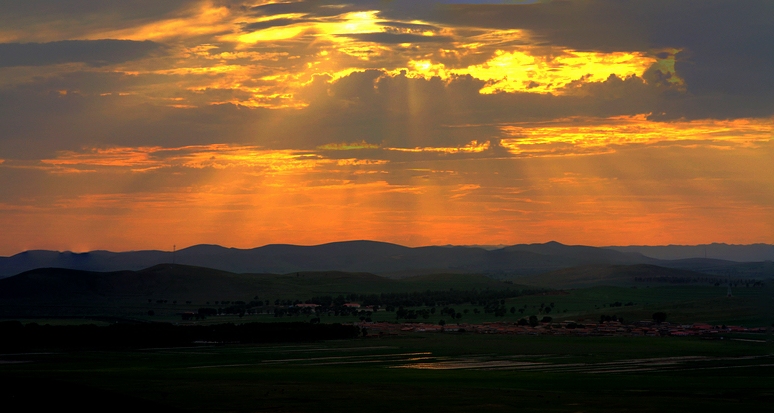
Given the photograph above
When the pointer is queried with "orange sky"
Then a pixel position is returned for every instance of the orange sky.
(244, 123)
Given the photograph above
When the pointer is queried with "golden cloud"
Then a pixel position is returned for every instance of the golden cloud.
(216, 156)
(579, 136)
(201, 19)
(348, 146)
(527, 71)
(472, 147)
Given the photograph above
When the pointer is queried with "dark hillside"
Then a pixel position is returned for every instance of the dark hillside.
(728, 252)
(613, 275)
(64, 284)
(583, 254)
(87, 261)
(724, 268)
(188, 283)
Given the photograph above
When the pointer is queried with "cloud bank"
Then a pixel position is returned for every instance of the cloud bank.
(585, 121)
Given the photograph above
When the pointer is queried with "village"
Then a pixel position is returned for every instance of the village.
(565, 328)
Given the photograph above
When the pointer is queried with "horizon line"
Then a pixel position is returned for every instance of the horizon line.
(483, 246)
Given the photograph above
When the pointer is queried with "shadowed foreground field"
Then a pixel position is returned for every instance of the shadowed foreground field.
(431, 372)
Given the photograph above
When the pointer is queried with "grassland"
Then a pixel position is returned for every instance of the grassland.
(684, 304)
(751, 307)
(169, 290)
(452, 372)
(554, 374)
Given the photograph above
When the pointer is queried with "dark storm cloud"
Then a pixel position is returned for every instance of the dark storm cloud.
(37, 119)
(399, 111)
(364, 106)
(727, 76)
(727, 46)
(127, 9)
(398, 27)
(371, 106)
(311, 8)
(92, 52)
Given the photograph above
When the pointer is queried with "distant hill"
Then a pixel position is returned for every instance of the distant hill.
(759, 270)
(353, 256)
(378, 258)
(611, 275)
(184, 283)
(88, 261)
(728, 252)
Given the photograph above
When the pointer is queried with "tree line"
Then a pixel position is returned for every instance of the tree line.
(704, 280)
(425, 298)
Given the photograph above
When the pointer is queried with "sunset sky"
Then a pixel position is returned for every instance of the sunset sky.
(139, 124)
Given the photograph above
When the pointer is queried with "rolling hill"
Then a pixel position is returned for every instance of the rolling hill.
(718, 251)
(188, 283)
(611, 275)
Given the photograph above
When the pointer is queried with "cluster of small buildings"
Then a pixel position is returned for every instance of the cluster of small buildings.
(567, 328)
(700, 329)
(347, 305)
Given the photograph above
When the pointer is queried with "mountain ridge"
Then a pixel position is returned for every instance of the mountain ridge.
(381, 258)
(352, 256)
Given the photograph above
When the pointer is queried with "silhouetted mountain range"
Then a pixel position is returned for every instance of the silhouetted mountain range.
(728, 252)
(373, 257)
(353, 256)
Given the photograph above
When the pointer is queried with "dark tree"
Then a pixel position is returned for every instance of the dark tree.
(204, 312)
(659, 317)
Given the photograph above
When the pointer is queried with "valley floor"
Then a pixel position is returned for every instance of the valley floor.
(417, 372)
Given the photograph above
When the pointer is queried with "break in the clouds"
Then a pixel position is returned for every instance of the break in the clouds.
(137, 124)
